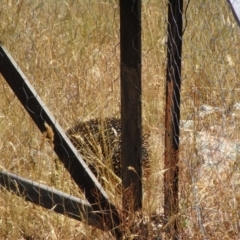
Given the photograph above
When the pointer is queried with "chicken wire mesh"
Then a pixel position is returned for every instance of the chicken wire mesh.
(209, 141)
(48, 41)
(75, 79)
(69, 51)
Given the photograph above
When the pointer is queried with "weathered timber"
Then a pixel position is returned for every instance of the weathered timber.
(172, 116)
(50, 198)
(131, 106)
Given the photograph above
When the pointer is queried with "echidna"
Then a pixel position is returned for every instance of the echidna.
(99, 143)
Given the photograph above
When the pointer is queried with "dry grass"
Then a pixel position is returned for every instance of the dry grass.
(69, 50)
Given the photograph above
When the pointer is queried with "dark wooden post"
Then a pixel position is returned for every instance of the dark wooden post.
(130, 45)
(172, 116)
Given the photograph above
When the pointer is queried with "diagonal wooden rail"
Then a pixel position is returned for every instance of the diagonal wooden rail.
(66, 152)
(50, 198)
(235, 7)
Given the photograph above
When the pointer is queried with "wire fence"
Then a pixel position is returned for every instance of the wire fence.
(209, 146)
(50, 43)
(70, 53)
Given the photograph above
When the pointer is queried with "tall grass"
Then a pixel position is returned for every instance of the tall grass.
(69, 50)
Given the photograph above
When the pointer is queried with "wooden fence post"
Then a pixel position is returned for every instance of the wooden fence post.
(172, 116)
(130, 45)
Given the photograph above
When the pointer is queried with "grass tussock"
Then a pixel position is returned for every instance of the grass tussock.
(69, 51)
